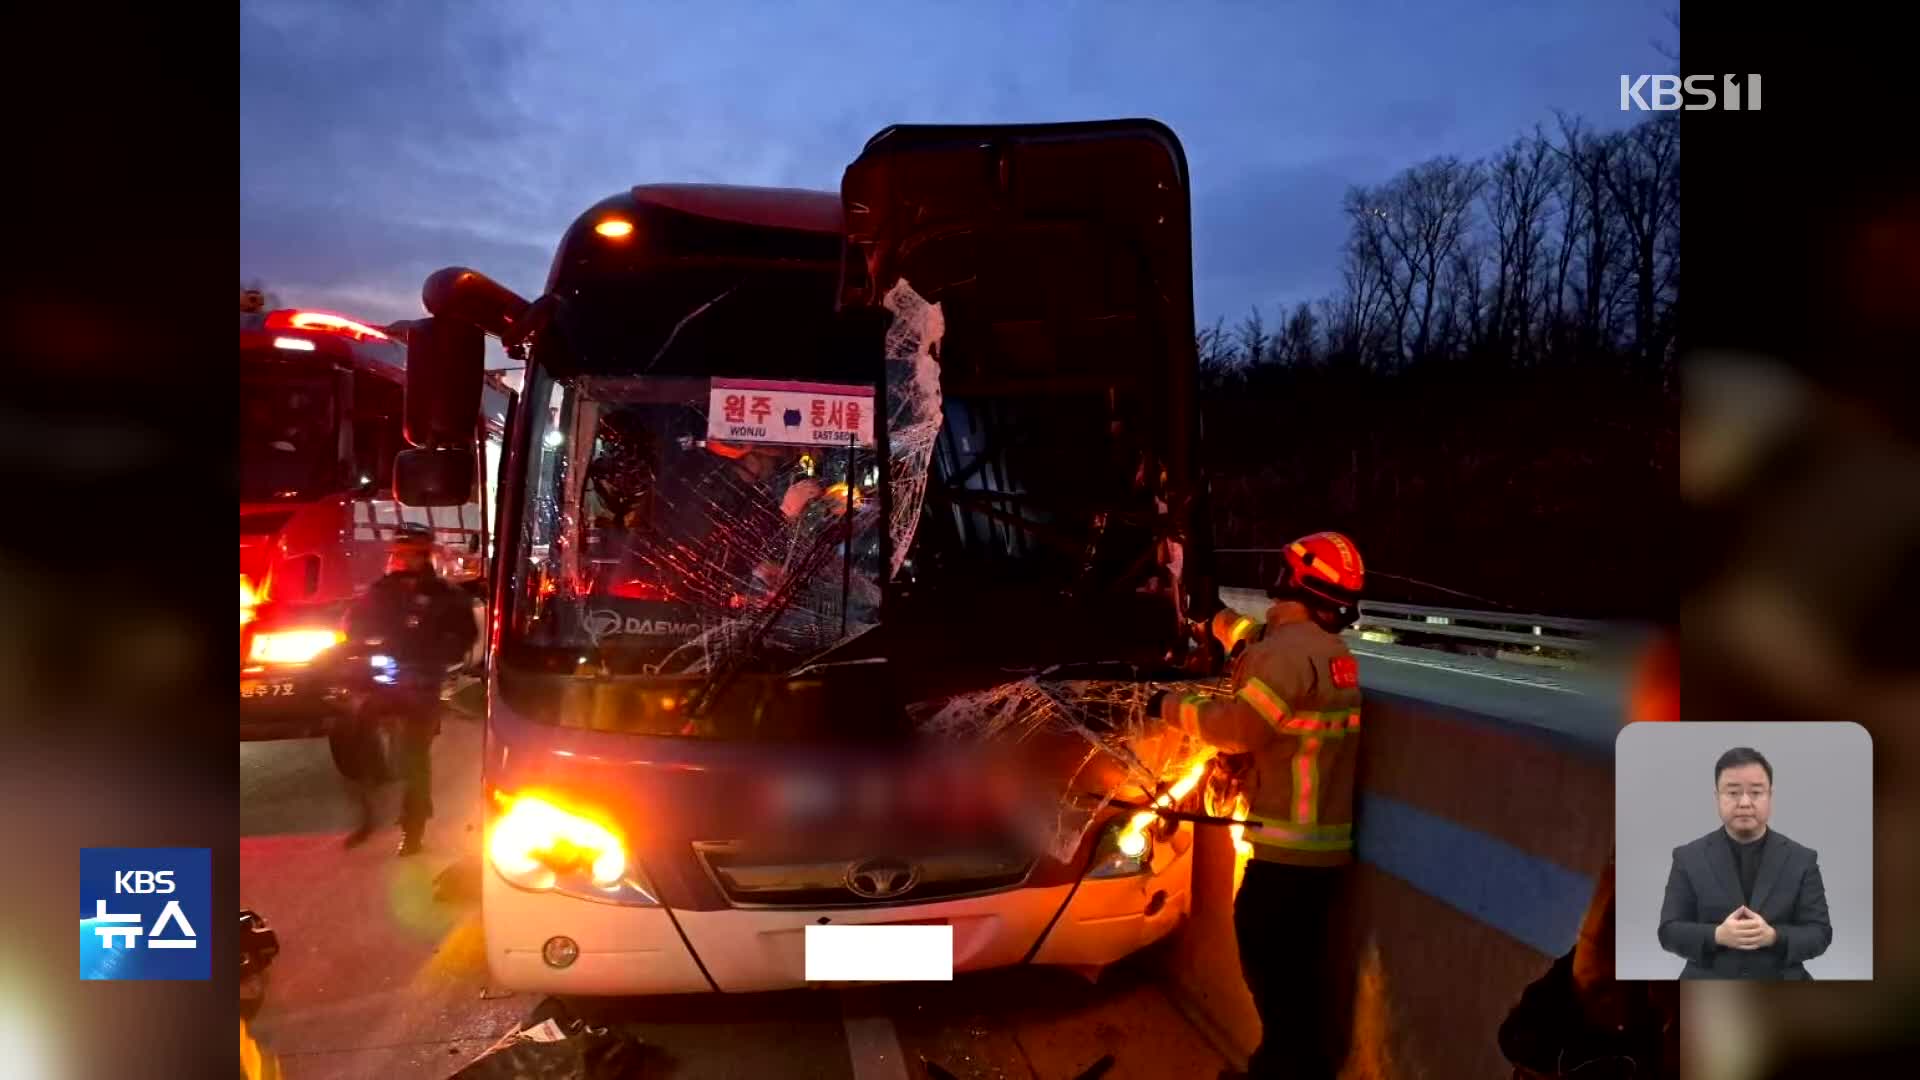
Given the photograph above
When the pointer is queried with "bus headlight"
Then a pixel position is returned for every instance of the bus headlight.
(1125, 847)
(292, 646)
(538, 846)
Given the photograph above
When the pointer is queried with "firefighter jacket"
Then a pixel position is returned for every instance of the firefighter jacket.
(1296, 710)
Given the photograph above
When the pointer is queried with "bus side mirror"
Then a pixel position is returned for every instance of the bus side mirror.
(442, 476)
(471, 297)
(445, 358)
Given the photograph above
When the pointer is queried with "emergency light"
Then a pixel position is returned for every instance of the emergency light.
(324, 322)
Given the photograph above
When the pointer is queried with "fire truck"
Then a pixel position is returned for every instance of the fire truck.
(321, 419)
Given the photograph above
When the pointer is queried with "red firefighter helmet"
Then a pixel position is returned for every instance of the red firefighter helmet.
(1323, 571)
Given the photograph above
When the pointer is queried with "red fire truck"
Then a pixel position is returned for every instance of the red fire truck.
(320, 422)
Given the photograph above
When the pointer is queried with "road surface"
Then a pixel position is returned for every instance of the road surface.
(379, 978)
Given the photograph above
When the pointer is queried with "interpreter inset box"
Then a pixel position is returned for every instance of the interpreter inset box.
(1743, 851)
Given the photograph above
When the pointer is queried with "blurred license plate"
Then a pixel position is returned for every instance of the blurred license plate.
(921, 951)
(256, 688)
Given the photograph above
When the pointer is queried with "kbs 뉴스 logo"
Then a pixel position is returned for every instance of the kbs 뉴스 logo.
(145, 913)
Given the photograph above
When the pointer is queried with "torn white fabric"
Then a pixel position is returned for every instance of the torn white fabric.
(914, 408)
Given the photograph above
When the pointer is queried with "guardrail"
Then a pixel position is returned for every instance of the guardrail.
(1544, 631)
(1574, 636)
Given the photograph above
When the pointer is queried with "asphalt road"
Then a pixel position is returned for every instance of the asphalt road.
(379, 977)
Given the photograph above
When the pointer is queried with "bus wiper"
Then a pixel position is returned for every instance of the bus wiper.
(682, 325)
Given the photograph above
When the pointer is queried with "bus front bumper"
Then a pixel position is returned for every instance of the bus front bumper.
(633, 950)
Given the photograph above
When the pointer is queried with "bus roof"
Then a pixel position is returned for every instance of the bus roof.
(654, 226)
(772, 208)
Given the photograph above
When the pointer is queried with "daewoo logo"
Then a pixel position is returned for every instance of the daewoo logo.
(882, 878)
(604, 623)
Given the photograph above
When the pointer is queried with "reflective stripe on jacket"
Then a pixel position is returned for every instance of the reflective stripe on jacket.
(1296, 710)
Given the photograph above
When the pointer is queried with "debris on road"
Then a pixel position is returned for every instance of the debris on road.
(258, 946)
(554, 1044)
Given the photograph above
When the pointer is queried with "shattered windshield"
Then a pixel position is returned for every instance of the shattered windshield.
(683, 525)
(678, 524)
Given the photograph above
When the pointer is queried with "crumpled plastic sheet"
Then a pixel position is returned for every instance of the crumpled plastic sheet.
(1123, 752)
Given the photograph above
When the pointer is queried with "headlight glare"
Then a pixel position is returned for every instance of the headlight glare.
(536, 845)
(292, 646)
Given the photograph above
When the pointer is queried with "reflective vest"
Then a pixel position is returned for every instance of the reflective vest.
(1296, 709)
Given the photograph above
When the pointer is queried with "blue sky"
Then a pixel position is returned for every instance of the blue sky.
(381, 141)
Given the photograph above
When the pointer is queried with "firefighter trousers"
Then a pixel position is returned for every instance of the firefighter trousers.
(413, 760)
(410, 721)
(1280, 921)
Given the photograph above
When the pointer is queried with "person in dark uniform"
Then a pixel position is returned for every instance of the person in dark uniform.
(422, 625)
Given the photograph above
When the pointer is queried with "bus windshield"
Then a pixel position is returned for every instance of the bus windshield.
(653, 545)
(289, 435)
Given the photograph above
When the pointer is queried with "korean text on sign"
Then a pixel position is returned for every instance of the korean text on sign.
(790, 413)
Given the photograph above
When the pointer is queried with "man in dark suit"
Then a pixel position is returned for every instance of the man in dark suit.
(1743, 901)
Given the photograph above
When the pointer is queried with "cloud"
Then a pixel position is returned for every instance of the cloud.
(1271, 235)
(380, 141)
(380, 262)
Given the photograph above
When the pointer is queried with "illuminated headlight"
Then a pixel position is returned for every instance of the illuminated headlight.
(1125, 847)
(292, 646)
(538, 846)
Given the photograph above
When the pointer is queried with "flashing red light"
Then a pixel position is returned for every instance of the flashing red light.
(324, 322)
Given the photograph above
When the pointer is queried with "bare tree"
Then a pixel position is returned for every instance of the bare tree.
(1464, 318)
(1590, 230)
(1216, 353)
(1295, 346)
(1670, 49)
(1643, 179)
(1519, 195)
(1379, 284)
(1425, 218)
(1254, 339)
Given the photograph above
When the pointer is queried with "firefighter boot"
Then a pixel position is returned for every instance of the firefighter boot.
(363, 803)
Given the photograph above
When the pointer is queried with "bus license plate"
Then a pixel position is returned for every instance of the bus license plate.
(254, 688)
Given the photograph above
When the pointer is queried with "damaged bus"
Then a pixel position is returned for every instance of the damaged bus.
(842, 539)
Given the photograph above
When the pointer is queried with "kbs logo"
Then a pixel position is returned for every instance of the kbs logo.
(1665, 93)
(145, 913)
(143, 881)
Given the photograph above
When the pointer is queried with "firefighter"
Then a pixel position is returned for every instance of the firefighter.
(1295, 716)
(423, 625)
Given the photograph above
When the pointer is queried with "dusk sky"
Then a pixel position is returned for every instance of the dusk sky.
(381, 141)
